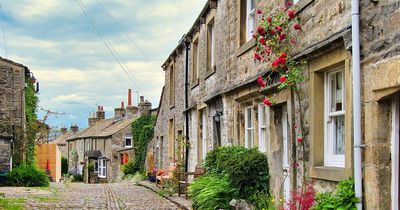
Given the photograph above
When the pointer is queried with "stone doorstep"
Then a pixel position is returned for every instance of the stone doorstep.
(181, 202)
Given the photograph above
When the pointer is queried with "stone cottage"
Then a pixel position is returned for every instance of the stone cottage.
(100, 150)
(12, 108)
(213, 69)
(60, 140)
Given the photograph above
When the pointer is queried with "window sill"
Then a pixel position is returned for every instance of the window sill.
(330, 173)
(245, 47)
(194, 84)
(210, 72)
(102, 177)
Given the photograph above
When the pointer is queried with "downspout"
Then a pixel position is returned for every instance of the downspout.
(187, 48)
(355, 32)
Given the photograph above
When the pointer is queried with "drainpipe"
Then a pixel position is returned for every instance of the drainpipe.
(355, 32)
(187, 48)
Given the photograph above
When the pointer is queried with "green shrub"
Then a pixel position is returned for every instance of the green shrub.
(211, 191)
(247, 169)
(262, 200)
(343, 198)
(64, 165)
(28, 176)
(77, 178)
(130, 168)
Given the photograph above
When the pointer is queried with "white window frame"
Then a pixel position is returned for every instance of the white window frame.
(262, 127)
(204, 134)
(295, 1)
(128, 136)
(212, 33)
(331, 159)
(395, 152)
(250, 18)
(102, 165)
(249, 143)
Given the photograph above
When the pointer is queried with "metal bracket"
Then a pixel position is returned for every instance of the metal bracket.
(360, 146)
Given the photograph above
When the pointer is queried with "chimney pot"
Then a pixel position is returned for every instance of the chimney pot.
(122, 104)
(129, 97)
(141, 99)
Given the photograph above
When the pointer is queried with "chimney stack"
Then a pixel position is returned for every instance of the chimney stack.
(131, 111)
(92, 119)
(63, 130)
(129, 97)
(119, 113)
(74, 128)
(144, 107)
(100, 114)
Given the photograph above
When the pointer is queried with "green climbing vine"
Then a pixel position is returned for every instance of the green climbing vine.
(142, 133)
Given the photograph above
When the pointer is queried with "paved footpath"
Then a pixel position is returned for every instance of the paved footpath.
(123, 195)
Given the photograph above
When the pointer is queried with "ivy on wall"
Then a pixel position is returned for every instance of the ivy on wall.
(142, 133)
(24, 151)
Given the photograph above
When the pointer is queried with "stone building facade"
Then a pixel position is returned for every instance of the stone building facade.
(12, 108)
(224, 103)
(106, 145)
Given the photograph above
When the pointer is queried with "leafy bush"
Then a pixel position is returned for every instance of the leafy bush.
(130, 168)
(262, 200)
(344, 197)
(64, 165)
(211, 191)
(77, 178)
(28, 176)
(247, 169)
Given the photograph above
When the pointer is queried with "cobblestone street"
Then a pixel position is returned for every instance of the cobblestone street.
(94, 196)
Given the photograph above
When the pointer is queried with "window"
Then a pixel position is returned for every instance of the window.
(172, 84)
(249, 128)
(195, 61)
(102, 168)
(210, 46)
(262, 126)
(250, 18)
(96, 166)
(334, 144)
(247, 20)
(128, 140)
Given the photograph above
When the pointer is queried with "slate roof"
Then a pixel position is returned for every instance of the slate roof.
(61, 139)
(102, 129)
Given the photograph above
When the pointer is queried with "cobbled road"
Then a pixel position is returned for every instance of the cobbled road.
(123, 195)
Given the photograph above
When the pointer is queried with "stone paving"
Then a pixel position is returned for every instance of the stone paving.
(123, 195)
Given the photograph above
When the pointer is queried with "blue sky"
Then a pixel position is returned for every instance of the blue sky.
(75, 70)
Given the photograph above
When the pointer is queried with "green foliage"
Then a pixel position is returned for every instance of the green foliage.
(12, 203)
(32, 125)
(28, 175)
(142, 133)
(130, 168)
(211, 191)
(343, 198)
(64, 165)
(247, 169)
(77, 178)
(90, 167)
(262, 200)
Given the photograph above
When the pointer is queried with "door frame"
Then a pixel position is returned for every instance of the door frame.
(285, 152)
(395, 147)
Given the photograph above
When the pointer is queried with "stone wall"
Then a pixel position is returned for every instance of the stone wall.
(326, 28)
(12, 107)
(380, 49)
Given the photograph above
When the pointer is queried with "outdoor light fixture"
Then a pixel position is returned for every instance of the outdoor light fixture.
(217, 116)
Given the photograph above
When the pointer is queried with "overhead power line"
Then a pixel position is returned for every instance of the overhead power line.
(129, 38)
(111, 49)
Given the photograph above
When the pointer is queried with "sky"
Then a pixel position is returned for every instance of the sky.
(71, 61)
